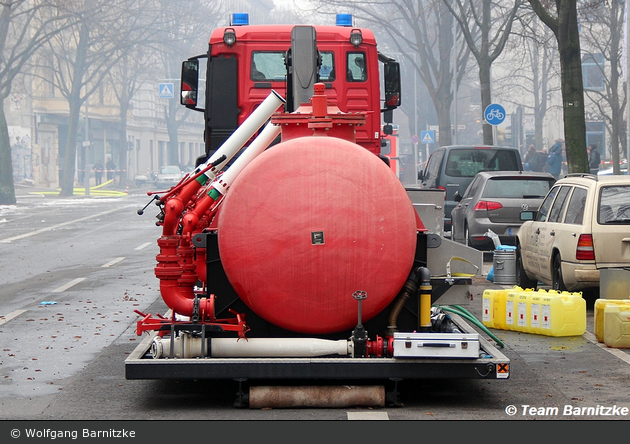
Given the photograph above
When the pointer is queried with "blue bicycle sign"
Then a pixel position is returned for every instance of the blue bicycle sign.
(494, 114)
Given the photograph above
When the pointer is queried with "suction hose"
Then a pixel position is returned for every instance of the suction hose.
(410, 288)
(461, 311)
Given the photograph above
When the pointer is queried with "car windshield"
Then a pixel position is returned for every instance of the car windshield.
(170, 169)
(517, 188)
(614, 205)
(468, 162)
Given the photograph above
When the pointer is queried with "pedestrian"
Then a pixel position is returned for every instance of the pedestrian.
(530, 154)
(98, 172)
(554, 161)
(594, 159)
(111, 166)
(529, 160)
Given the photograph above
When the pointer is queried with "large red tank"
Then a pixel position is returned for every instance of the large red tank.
(308, 223)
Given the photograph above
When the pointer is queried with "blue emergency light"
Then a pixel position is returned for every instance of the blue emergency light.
(344, 19)
(240, 18)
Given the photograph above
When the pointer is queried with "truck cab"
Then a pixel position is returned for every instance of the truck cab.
(245, 62)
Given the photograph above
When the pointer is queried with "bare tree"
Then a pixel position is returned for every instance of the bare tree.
(532, 70)
(186, 33)
(562, 18)
(602, 30)
(82, 56)
(493, 22)
(422, 31)
(24, 27)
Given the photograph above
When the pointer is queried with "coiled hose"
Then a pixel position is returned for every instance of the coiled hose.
(461, 311)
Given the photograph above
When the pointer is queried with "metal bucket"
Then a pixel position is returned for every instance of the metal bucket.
(504, 265)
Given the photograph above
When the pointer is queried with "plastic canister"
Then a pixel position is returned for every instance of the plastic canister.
(494, 313)
(562, 314)
(487, 316)
(598, 317)
(504, 265)
(617, 326)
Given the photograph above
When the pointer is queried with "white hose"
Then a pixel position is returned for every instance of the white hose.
(242, 134)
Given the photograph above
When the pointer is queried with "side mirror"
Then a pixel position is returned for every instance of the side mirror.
(189, 83)
(392, 84)
(457, 197)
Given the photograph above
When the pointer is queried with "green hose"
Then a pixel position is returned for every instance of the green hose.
(467, 315)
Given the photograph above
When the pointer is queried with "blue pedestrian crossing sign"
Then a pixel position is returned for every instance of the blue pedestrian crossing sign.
(427, 136)
(494, 114)
(165, 90)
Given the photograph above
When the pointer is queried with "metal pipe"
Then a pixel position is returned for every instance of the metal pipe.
(186, 346)
(243, 133)
(267, 135)
(316, 396)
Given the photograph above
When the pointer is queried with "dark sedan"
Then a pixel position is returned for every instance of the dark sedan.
(493, 201)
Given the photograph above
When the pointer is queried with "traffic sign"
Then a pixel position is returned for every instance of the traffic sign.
(414, 139)
(427, 136)
(494, 114)
(165, 90)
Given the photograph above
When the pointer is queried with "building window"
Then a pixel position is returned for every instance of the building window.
(593, 71)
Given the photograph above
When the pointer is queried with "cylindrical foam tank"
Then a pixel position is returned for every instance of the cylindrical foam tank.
(310, 222)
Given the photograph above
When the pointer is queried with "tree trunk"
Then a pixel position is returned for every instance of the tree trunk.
(67, 176)
(124, 145)
(7, 188)
(486, 98)
(572, 88)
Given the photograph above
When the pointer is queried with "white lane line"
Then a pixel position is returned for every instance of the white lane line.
(54, 227)
(616, 352)
(112, 262)
(143, 246)
(68, 285)
(368, 416)
(12, 315)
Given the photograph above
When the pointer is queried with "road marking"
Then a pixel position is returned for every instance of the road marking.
(618, 353)
(54, 227)
(368, 416)
(12, 315)
(68, 285)
(112, 262)
(143, 246)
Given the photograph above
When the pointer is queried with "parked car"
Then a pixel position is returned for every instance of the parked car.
(623, 169)
(582, 226)
(494, 201)
(452, 168)
(169, 175)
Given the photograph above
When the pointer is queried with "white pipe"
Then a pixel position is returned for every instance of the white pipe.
(186, 346)
(268, 134)
(242, 134)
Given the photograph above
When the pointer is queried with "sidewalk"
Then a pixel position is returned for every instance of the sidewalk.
(105, 189)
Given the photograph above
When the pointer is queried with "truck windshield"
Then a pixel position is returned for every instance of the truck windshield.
(268, 66)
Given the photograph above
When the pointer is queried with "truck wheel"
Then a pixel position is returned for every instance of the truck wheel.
(522, 280)
(557, 281)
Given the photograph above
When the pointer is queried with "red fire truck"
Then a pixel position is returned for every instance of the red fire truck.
(304, 259)
(246, 62)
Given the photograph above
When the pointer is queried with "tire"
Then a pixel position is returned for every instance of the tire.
(522, 280)
(557, 280)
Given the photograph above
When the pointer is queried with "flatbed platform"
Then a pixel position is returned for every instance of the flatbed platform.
(491, 364)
